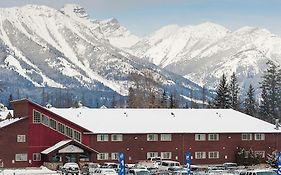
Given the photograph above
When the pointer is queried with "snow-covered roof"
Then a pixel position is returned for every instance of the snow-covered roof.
(61, 144)
(56, 146)
(8, 122)
(5, 113)
(165, 120)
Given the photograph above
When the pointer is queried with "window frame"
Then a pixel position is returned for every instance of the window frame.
(162, 154)
(21, 157)
(262, 153)
(259, 136)
(102, 138)
(76, 135)
(198, 137)
(115, 156)
(102, 156)
(151, 154)
(37, 155)
(246, 134)
(213, 137)
(36, 120)
(212, 153)
(53, 124)
(200, 155)
(21, 138)
(154, 137)
(119, 137)
(45, 120)
(163, 137)
(61, 128)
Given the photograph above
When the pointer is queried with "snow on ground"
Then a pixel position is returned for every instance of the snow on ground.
(29, 171)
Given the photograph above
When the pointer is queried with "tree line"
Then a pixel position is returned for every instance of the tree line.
(267, 107)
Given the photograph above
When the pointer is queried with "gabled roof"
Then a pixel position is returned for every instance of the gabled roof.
(64, 143)
(165, 120)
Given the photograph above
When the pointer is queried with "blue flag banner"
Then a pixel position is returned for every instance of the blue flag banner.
(279, 164)
(187, 158)
(121, 163)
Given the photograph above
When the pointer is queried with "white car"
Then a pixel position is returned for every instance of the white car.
(70, 168)
(168, 164)
(105, 171)
(139, 171)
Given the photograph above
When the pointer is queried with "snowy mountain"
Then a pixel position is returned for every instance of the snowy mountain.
(65, 49)
(202, 53)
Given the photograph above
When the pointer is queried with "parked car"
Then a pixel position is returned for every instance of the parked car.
(261, 172)
(70, 168)
(180, 172)
(158, 160)
(89, 168)
(230, 165)
(166, 164)
(105, 171)
(140, 171)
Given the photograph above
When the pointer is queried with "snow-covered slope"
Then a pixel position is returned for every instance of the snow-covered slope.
(41, 46)
(204, 52)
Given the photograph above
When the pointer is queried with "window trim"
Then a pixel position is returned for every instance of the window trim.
(214, 153)
(155, 137)
(246, 139)
(33, 117)
(262, 136)
(76, 134)
(105, 156)
(36, 154)
(202, 155)
(21, 155)
(19, 137)
(166, 152)
(117, 136)
(163, 138)
(151, 154)
(199, 139)
(114, 155)
(217, 136)
(99, 138)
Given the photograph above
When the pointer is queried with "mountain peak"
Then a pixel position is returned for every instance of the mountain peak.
(74, 10)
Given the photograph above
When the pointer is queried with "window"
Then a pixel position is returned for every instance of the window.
(36, 157)
(259, 137)
(45, 120)
(152, 137)
(61, 128)
(200, 155)
(69, 132)
(102, 156)
(213, 137)
(21, 138)
(246, 136)
(260, 153)
(214, 155)
(77, 136)
(151, 154)
(114, 156)
(53, 124)
(200, 137)
(116, 137)
(166, 137)
(36, 117)
(102, 137)
(166, 155)
(21, 157)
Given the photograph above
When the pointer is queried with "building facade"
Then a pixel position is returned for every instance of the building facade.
(38, 135)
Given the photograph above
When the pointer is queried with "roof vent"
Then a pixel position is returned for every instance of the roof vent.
(48, 105)
(173, 114)
(277, 124)
(125, 113)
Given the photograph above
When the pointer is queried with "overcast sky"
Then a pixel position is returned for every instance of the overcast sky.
(142, 17)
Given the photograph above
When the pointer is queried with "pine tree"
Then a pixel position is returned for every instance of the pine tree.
(164, 100)
(222, 100)
(203, 97)
(264, 110)
(234, 92)
(131, 98)
(272, 84)
(250, 102)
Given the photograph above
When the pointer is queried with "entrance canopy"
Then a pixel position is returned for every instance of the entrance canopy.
(68, 146)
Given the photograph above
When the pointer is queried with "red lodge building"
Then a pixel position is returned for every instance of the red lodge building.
(38, 135)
